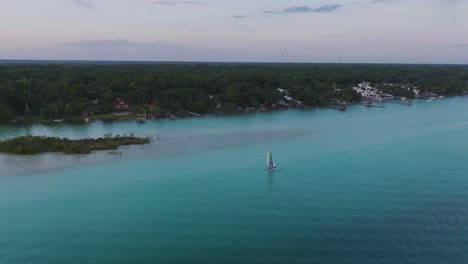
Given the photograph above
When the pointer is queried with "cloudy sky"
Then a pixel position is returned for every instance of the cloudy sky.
(387, 31)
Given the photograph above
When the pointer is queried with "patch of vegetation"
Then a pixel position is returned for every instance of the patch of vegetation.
(60, 91)
(29, 145)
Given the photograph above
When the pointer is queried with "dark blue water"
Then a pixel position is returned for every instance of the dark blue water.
(364, 186)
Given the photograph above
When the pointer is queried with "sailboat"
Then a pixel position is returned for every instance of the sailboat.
(269, 161)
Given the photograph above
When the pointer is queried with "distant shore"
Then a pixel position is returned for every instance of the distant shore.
(82, 92)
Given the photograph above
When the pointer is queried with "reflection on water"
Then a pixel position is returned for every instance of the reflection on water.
(193, 136)
(269, 184)
(375, 188)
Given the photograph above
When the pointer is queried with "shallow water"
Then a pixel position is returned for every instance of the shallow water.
(369, 185)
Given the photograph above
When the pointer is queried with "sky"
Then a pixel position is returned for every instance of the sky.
(369, 31)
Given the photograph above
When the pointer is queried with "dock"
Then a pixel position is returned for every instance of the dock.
(372, 105)
(141, 120)
(340, 107)
(194, 114)
(400, 102)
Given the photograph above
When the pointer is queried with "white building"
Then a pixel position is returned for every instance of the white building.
(371, 93)
(365, 90)
(283, 91)
(285, 94)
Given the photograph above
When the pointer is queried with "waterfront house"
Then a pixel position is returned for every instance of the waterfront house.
(121, 105)
(371, 93)
(365, 90)
(428, 94)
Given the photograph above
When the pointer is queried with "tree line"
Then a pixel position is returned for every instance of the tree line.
(64, 90)
(30, 145)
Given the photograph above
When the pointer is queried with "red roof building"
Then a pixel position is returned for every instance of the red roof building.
(121, 105)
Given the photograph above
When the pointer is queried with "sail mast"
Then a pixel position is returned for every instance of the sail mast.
(268, 158)
(269, 161)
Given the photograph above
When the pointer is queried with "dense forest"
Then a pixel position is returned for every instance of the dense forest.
(51, 91)
(29, 145)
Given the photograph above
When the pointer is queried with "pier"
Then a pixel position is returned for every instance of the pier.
(369, 104)
(399, 102)
(194, 114)
(341, 107)
(141, 120)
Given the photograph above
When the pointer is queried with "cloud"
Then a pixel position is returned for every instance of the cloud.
(457, 45)
(305, 9)
(242, 16)
(84, 3)
(326, 9)
(110, 43)
(172, 3)
(382, 1)
(297, 9)
(128, 50)
(269, 12)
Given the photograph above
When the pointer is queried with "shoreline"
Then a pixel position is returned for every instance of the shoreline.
(112, 117)
(176, 135)
(32, 145)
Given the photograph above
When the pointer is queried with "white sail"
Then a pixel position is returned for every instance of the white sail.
(269, 160)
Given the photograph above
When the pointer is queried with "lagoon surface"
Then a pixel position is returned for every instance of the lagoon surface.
(369, 185)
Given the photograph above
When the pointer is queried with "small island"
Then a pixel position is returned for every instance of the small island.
(30, 145)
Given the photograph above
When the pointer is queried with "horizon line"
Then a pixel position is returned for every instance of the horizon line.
(97, 61)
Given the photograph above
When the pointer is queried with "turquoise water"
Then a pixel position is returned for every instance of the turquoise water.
(369, 185)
